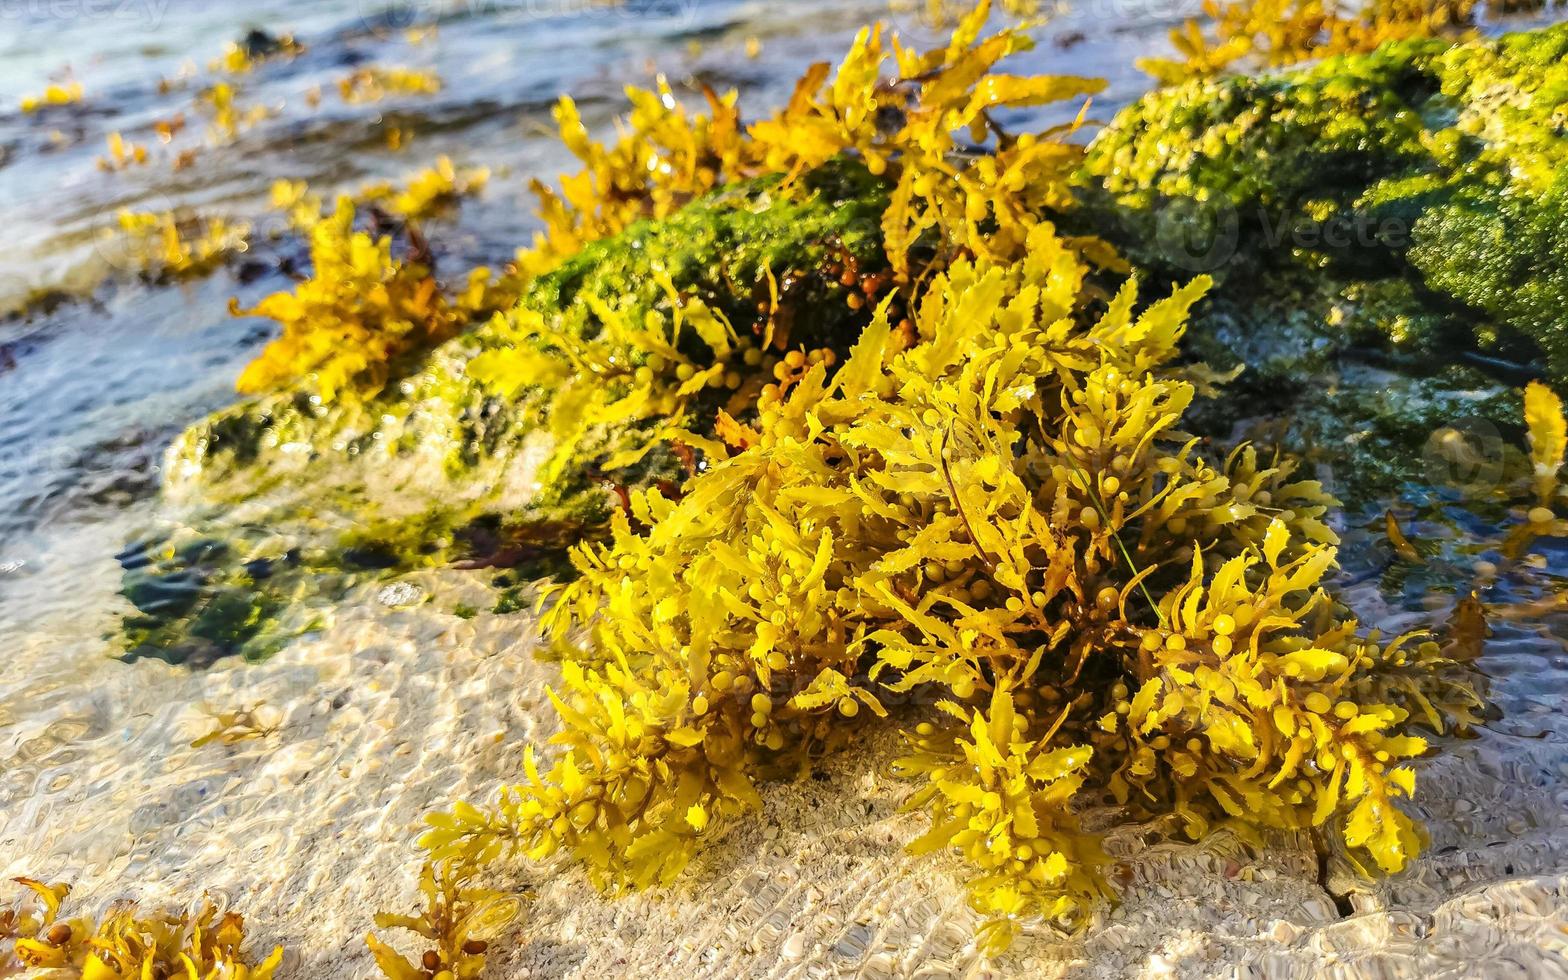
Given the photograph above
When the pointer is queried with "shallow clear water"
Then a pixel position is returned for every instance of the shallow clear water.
(398, 705)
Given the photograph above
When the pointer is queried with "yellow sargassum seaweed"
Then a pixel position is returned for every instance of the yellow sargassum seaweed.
(54, 95)
(1276, 33)
(1548, 435)
(996, 511)
(1531, 484)
(168, 245)
(594, 387)
(458, 920)
(425, 193)
(125, 945)
(1543, 497)
(360, 310)
(907, 126)
(376, 82)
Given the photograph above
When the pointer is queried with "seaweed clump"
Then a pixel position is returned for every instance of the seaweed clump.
(1538, 499)
(53, 96)
(987, 504)
(459, 919)
(167, 246)
(1548, 435)
(1277, 33)
(909, 130)
(361, 311)
(996, 510)
(126, 944)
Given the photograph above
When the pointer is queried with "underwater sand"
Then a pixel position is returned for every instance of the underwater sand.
(394, 710)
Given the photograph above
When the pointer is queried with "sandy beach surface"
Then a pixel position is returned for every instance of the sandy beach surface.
(400, 706)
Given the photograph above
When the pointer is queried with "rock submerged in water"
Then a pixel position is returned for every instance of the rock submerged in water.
(435, 468)
(434, 438)
(1441, 165)
(1385, 228)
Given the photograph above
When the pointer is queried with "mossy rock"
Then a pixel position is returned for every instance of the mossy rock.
(1387, 227)
(435, 468)
(200, 596)
(1438, 165)
(435, 437)
(1391, 219)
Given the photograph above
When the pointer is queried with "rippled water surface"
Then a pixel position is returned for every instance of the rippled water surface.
(400, 704)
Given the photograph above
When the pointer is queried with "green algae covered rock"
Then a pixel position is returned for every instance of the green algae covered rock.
(1323, 134)
(1385, 231)
(437, 437)
(286, 501)
(1435, 167)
